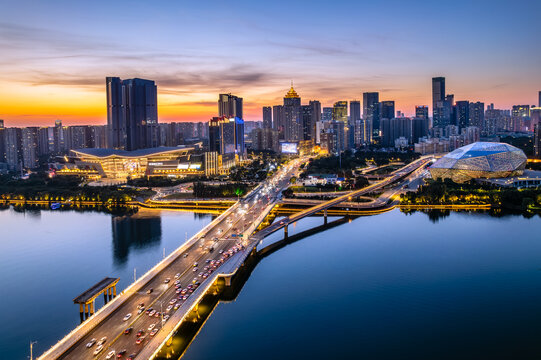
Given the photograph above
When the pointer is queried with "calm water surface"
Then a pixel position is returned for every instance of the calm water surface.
(49, 257)
(391, 286)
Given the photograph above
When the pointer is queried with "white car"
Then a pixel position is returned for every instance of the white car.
(98, 350)
(91, 343)
(110, 355)
(102, 340)
(151, 327)
(127, 317)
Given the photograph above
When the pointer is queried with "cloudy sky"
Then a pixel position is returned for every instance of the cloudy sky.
(56, 54)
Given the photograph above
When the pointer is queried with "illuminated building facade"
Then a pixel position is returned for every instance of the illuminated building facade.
(480, 160)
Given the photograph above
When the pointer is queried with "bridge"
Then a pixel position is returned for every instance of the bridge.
(171, 291)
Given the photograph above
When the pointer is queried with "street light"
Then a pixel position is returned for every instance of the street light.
(31, 348)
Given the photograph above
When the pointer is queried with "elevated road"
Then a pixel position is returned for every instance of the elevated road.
(173, 286)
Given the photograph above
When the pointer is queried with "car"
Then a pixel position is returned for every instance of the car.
(141, 305)
(102, 340)
(177, 305)
(152, 313)
(110, 355)
(165, 317)
(127, 317)
(98, 350)
(152, 326)
(148, 311)
(131, 357)
(178, 291)
(149, 291)
(121, 353)
(173, 300)
(208, 261)
(91, 343)
(194, 269)
(169, 308)
(166, 281)
(195, 264)
(177, 282)
(140, 340)
(200, 274)
(185, 255)
(140, 310)
(128, 331)
(157, 314)
(153, 332)
(140, 333)
(221, 251)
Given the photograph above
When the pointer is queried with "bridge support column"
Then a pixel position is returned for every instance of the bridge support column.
(92, 308)
(228, 281)
(325, 216)
(285, 232)
(86, 310)
(114, 291)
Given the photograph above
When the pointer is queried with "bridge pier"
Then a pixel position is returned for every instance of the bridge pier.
(285, 232)
(325, 217)
(227, 281)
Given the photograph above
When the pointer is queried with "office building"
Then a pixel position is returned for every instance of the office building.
(462, 111)
(354, 124)
(132, 109)
(230, 106)
(537, 141)
(1, 124)
(370, 115)
(226, 135)
(438, 98)
(278, 120)
(392, 129)
(337, 143)
(292, 116)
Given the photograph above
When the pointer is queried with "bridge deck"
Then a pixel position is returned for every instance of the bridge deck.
(95, 290)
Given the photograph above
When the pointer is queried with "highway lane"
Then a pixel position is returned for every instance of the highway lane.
(113, 326)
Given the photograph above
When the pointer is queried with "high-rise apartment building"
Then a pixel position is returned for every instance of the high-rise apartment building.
(1, 124)
(267, 117)
(477, 115)
(230, 106)
(327, 114)
(392, 129)
(419, 128)
(537, 141)
(278, 120)
(132, 109)
(13, 148)
(29, 137)
(462, 110)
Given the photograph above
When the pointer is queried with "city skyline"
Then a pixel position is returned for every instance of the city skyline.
(51, 73)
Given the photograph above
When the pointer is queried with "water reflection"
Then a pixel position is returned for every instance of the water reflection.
(134, 232)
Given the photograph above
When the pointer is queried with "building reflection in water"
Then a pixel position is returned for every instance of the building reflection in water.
(134, 232)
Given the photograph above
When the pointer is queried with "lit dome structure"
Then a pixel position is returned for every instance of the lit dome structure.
(480, 160)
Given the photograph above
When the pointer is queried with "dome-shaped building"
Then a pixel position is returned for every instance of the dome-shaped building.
(480, 160)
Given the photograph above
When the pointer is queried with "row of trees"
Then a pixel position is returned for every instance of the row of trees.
(40, 187)
(447, 192)
(202, 190)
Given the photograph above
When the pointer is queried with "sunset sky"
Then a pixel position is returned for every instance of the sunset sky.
(55, 55)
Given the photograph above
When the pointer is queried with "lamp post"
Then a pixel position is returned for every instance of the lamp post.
(31, 348)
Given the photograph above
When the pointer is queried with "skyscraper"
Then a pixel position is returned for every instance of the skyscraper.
(386, 110)
(226, 135)
(462, 109)
(29, 137)
(13, 148)
(267, 117)
(539, 102)
(132, 109)
(292, 115)
(355, 123)
(230, 106)
(371, 115)
(311, 115)
(438, 96)
(477, 115)
(278, 120)
(419, 128)
(537, 141)
(327, 114)
(1, 124)
(421, 112)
